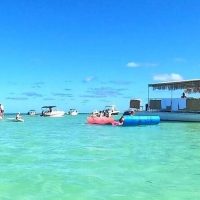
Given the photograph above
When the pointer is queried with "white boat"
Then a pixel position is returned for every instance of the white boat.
(73, 112)
(31, 112)
(51, 111)
(112, 109)
(185, 109)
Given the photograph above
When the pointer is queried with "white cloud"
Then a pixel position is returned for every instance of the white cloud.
(88, 79)
(133, 64)
(168, 77)
(146, 64)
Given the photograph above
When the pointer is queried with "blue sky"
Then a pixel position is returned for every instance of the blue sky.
(86, 54)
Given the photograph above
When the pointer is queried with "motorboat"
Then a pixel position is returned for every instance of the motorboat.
(73, 112)
(112, 109)
(31, 112)
(51, 111)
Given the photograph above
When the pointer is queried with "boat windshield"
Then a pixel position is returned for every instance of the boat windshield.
(110, 107)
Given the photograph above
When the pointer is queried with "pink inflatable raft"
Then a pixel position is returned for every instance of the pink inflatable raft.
(100, 120)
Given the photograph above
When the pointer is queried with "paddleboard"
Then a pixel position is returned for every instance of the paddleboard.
(16, 120)
(19, 120)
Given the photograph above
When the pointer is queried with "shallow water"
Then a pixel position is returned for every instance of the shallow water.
(65, 158)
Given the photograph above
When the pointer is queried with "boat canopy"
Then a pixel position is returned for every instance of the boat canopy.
(110, 106)
(190, 86)
(48, 107)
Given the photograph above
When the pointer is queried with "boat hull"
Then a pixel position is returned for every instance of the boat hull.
(53, 114)
(172, 116)
(73, 113)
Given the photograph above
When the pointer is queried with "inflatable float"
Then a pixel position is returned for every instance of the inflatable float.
(100, 120)
(133, 120)
(18, 120)
(15, 120)
(140, 120)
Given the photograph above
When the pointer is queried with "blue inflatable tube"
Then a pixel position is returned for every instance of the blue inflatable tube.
(141, 120)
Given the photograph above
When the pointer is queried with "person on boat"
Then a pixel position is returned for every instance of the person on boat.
(95, 114)
(146, 106)
(183, 95)
(107, 113)
(101, 114)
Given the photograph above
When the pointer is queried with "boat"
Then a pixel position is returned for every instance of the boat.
(31, 112)
(51, 111)
(112, 109)
(100, 120)
(183, 109)
(73, 112)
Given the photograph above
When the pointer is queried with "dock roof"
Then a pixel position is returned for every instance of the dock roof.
(190, 86)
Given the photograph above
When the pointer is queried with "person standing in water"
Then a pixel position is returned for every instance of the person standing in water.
(121, 120)
(1, 110)
(18, 116)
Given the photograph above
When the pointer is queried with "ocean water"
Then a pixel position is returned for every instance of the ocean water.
(68, 159)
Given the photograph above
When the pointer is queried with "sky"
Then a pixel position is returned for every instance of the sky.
(87, 54)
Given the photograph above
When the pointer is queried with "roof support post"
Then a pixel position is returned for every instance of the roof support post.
(148, 99)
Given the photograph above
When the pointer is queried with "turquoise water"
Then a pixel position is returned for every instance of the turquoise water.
(65, 158)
